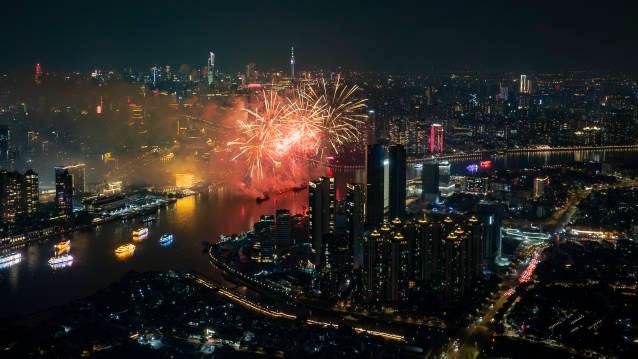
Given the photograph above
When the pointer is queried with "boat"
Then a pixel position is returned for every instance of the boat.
(11, 258)
(63, 260)
(125, 248)
(65, 244)
(166, 239)
(140, 232)
(148, 219)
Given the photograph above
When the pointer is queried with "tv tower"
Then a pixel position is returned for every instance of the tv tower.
(292, 62)
(211, 67)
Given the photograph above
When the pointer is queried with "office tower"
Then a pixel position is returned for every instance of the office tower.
(354, 208)
(5, 142)
(10, 196)
(211, 67)
(78, 178)
(539, 186)
(428, 244)
(453, 264)
(475, 247)
(283, 229)
(264, 247)
(64, 192)
(374, 248)
(430, 182)
(436, 138)
(398, 269)
(525, 85)
(375, 185)
(292, 62)
(321, 217)
(30, 193)
(446, 188)
(397, 182)
(491, 215)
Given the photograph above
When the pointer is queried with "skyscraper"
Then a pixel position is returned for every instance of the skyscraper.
(283, 230)
(211, 67)
(446, 188)
(292, 62)
(64, 192)
(264, 244)
(397, 181)
(5, 142)
(18, 196)
(321, 217)
(525, 85)
(10, 196)
(430, 181)
(78, 178)
(355, 201)
(491, 214)
(375, 186)
(30, 193)
(436, 138)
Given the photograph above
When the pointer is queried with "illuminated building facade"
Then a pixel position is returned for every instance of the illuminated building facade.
(211, 68)
(264, 247)
(436, 138)
(5, 142)
(283, 229)
(321, 218)
(78, 177)
(354, 207)
(444, 255)
(64, 192)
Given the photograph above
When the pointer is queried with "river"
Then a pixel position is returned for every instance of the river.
(32, 285)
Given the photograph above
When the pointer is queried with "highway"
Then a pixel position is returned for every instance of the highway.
(248, 304)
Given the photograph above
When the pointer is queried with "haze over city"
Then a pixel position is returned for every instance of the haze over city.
(289, 179)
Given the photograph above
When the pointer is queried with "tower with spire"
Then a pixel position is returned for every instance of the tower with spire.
(292, 62)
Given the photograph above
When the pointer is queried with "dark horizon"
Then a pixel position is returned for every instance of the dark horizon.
(413, 37)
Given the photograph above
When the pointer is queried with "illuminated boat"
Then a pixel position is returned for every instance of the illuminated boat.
(63, 245)
(61, 261)
(10, 259)
(140, 232)
(166, 239)
(125, 248)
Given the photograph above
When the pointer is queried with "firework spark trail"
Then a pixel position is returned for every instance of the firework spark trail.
(314, 118)
(340, 115)
(261, 135)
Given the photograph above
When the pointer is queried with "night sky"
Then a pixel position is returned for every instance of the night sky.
(393, 36)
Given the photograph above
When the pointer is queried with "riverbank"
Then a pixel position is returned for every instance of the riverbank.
(20, 240)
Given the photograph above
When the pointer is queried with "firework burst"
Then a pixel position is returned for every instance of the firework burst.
(260, 142)
(340, 112)
(314, 118)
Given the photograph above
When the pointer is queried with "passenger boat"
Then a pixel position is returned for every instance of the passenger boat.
(125, 248)
(63, 245)
(166, 239)
(9, 259)
(63, 260)
(140, 232)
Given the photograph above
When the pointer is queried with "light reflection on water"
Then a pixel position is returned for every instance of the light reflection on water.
(32, 285)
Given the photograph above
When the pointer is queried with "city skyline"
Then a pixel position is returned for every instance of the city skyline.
(358, 35)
